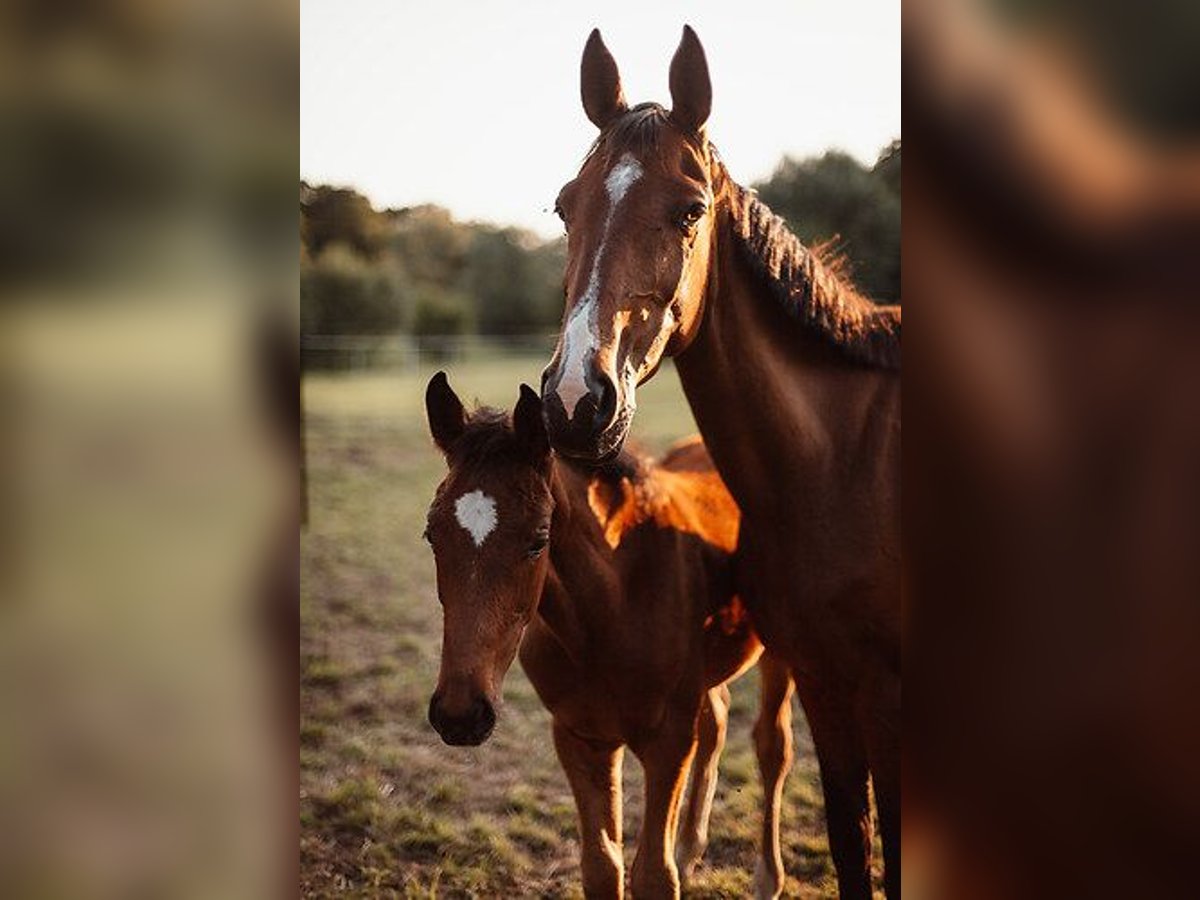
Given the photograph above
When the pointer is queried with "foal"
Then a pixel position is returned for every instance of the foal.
(579, 569)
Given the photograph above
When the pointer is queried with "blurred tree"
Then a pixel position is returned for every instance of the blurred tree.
(427, 244)
(887, 167)
(509, 283)
(549, 263)
(834, 196)
(439, 312)
(341, 293)
(339, 215)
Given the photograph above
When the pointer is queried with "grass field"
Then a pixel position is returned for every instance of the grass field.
(386, 808)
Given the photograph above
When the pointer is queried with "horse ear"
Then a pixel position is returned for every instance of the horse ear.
(447, 418)
(600, 82)
(529, 425)
(691, 89)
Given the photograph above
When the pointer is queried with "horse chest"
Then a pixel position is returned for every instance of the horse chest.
(616, 688)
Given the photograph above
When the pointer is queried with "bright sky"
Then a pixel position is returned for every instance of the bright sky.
(474, 105)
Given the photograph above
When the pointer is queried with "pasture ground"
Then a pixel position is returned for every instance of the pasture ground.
(386, 808)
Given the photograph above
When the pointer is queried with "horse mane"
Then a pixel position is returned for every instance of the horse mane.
(681, 490)
(812, 284)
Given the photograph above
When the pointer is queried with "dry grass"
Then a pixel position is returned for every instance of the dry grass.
(386, 809)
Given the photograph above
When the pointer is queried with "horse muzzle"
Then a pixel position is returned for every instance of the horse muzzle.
(591, 425)
(468, 727)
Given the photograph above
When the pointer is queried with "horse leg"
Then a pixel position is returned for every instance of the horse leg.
(844, 776)
(711, 728)
(594, 772)
(773, 746)
(880, 724)
(666, 758)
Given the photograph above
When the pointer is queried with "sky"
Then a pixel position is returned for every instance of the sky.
(475, 106)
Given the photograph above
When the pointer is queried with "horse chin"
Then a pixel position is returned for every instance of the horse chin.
(606, 448)
(467, 740)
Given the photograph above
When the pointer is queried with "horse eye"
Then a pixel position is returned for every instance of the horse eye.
(692, 215)
(425, 536)
(558, 211)
(538, 545)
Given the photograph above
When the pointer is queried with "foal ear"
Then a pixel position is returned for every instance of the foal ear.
(447, 418)
(529, 425)
(691, 89)
(603, 99)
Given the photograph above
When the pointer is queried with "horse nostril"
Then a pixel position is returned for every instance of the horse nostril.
(606, 404)
(470, 727)
(485, 716)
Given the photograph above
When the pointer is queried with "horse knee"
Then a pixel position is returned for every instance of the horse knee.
(714, 714)
(773, 745)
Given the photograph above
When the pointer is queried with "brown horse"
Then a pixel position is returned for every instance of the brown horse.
(794, 381)
(579, 569)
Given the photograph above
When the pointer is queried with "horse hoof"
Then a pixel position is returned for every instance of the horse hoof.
(687, 858)
(767, 884)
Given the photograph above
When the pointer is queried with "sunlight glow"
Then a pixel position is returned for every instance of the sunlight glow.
(475, 106)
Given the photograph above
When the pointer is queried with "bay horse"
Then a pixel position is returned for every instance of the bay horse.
(616, 587)
(794, 380)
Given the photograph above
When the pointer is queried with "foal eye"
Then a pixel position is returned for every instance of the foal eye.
(558, 211)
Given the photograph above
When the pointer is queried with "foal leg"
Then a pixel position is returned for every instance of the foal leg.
(773, 745)
(844, 782)
(666, 759)
(711, 728)
(594, 771)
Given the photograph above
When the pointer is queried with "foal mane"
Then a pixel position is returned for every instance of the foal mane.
(488, 437)
(681, 491)
(811, 285)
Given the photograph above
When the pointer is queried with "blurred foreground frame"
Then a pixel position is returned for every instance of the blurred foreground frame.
(148, 272)
(148, 229)
(1052, 254)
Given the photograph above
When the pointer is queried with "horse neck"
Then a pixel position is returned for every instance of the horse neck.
(581, 588)
(797, 422)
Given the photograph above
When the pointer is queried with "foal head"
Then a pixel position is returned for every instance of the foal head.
(489, 526)
(640, 225)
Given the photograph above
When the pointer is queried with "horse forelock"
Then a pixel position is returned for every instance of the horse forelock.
(639, 131)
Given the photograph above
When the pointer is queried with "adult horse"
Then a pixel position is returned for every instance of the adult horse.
(794, 380)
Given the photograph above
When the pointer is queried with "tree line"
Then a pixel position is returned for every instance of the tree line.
(419, 271)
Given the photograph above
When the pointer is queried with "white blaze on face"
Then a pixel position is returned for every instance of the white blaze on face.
(579, 337)
(620, 179)
(476, 512)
